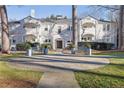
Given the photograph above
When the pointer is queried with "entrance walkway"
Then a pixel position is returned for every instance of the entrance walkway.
(58, 68)
(58, 80)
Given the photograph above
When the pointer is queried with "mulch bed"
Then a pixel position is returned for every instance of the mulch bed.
(16, 84)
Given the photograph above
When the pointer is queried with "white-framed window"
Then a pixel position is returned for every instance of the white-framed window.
(14, 41)
(104, 27)
(69, 28)
(59, 29)
(47, 40)
(84, 39)
(108, 27)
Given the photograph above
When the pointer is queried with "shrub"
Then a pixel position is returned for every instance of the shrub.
(70, 46)
(35, 44)
(49, 46)
(87, 45)
(27, 46)
(23, 46)
(20, 47)
(96, 45)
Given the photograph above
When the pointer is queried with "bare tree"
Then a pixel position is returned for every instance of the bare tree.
(5, 30)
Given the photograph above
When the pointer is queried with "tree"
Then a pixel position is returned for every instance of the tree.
(115, 13)
(5, 30)
(65, 17)
(74, 25)
(121, 28)
(52, 16)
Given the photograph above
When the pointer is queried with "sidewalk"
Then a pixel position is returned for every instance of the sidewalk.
(58, 80)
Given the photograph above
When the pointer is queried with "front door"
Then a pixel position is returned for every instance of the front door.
(59, 44)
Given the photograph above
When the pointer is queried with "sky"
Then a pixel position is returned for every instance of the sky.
(16, 12)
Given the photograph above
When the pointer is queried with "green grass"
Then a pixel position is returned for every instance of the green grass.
(110, 76)
(112, 53)
(8, 73)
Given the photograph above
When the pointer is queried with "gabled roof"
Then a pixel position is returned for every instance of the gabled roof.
(89, 16)
(30, 18)
(14, 22)
(101, 20)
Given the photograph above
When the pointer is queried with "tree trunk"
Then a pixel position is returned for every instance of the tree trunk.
(121, 29)
(5, 30)
(74, 25)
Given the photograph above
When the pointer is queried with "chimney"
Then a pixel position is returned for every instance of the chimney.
(32, 13)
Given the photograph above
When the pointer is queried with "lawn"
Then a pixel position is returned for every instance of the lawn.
(110, 76)
(112, 53)
(10, 77)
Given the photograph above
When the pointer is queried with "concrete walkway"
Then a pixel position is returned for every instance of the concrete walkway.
(58, 68)
(58, 80)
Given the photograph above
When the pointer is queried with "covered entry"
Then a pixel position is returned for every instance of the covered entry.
(59, 44)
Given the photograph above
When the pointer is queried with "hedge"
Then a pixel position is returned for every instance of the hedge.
(97, 45)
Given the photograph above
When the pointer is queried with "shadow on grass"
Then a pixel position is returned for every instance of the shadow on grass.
(69, 69)
(101, 74)
(56, 60)
(41, 60)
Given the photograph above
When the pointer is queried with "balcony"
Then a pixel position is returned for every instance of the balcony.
(31, 25)
(87, 37)
(30, 38)
(88, 25)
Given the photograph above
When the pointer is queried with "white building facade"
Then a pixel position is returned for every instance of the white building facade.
(58, 32)
(94, 30)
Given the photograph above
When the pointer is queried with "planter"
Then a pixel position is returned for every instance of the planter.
(90, 51)
(72, 50)
(45, 51)
(29, 52)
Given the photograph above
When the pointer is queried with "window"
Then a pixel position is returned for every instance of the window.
(85, 26)
(49, 40)
(33, 27)
(59, 30)
(104, 26)
(108, 27)
(68, 41)
(107, 40)
(69, 28)
(88, 38)
(14, 41)
(84, 39)
(46, 40)
(83, 30)
(46, 29)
